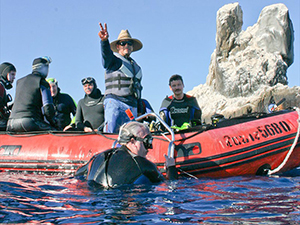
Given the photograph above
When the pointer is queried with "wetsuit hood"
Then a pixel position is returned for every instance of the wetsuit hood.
(57, 94)
(94, 98)
(40, 66)
(5, 68)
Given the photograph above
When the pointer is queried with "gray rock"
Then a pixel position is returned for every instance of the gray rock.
(248, 67)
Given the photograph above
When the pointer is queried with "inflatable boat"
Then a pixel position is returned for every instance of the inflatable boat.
(253, 144)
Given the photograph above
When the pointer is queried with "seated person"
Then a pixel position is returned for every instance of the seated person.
(179, 108)
(33, 101)
(7, 77)
(64, 105)
(126, 164)
(90, 111)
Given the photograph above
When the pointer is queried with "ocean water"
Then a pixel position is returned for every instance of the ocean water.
(61, 199)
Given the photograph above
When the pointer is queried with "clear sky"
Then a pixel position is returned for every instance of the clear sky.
(178, 37)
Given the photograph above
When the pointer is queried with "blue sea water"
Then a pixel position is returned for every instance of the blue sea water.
(61, 199)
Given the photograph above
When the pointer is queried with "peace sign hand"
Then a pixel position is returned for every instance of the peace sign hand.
(103, 34)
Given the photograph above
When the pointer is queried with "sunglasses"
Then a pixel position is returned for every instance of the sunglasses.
(123, 43)
(87, 80)
(147, 141)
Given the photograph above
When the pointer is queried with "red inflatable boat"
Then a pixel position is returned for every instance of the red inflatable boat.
(253, 144)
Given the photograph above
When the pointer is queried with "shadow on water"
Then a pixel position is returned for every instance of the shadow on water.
(292, 173)
(56, 199)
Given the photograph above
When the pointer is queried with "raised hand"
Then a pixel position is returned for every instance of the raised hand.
(103, 34)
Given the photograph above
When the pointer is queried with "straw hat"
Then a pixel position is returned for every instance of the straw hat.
(125, 35)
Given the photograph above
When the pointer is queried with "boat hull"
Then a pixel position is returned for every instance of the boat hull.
(249, 147)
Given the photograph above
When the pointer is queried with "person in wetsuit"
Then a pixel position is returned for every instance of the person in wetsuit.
(33, 101)
(7, 77)
(64, 105)
(179, 108)
(90, 112)
(126, 164)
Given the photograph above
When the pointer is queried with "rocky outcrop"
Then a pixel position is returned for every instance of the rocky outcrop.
(248, 67)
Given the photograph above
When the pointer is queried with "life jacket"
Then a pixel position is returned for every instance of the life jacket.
(126, 80)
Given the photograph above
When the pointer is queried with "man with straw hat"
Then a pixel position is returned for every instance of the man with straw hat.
(122, 78)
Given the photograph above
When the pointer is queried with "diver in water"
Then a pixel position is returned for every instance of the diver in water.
(7, 77)
(126, 164)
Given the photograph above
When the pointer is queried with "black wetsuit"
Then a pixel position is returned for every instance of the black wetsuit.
(90, 110)
(176, 112)
(64, 106)
(5, 68)
(32, 102)
(119, 166)
(4, 114)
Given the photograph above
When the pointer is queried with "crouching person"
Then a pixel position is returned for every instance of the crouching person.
(126, 164)
(33, 101)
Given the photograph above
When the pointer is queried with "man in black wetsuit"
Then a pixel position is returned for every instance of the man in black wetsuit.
(126, 164)
(179, 108)
(33, 100)
(90, 111)
(7, 77)
(64, 105)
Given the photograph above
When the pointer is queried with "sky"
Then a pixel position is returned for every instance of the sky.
(178, 37)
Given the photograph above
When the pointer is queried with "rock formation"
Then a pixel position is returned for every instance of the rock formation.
(248, 67)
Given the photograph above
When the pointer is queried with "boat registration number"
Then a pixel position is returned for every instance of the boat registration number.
(261, 132)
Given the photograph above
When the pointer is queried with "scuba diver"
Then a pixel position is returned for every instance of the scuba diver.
(7, 77)
(33, 101)
(180, 109)
(63, 103)
(90, 111)
(126, 164)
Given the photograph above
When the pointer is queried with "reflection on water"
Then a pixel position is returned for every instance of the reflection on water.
(41, 198)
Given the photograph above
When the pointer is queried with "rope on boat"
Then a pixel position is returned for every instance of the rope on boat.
(187, 173)
(270, 172)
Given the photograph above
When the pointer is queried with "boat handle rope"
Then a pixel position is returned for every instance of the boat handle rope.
(188, 174)
(270, 172)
